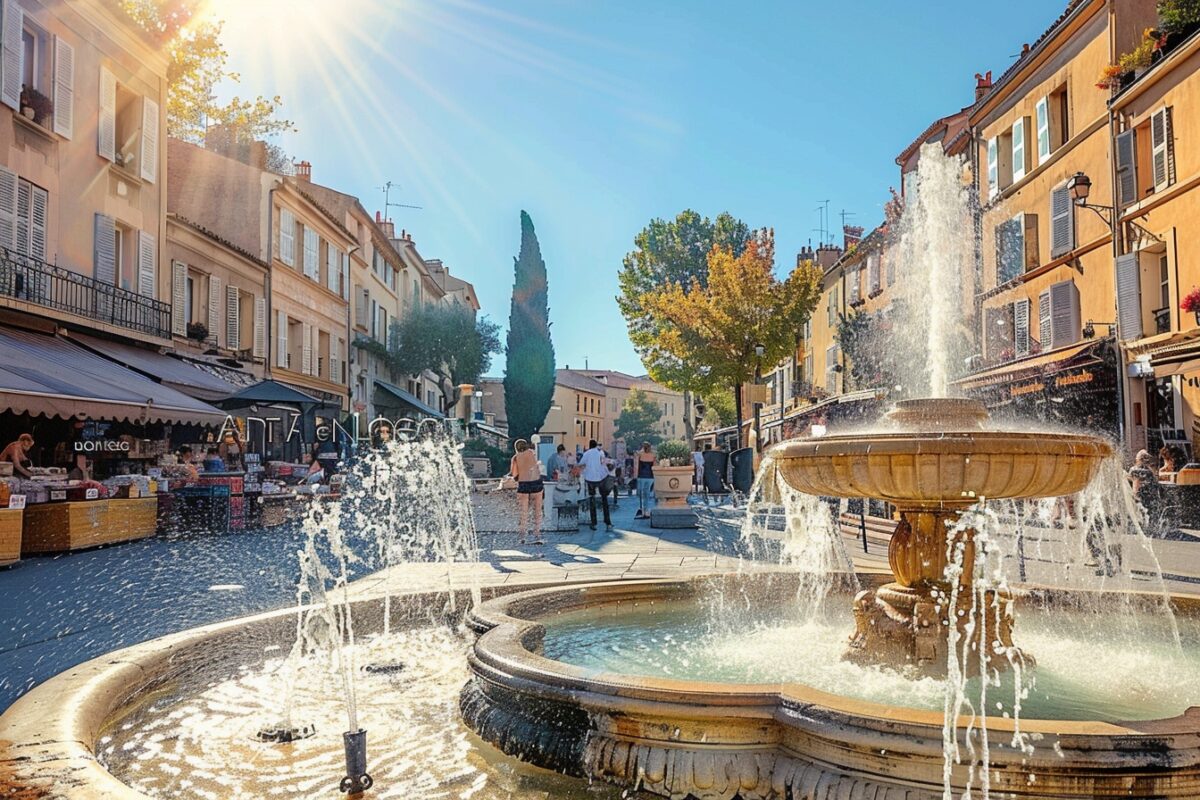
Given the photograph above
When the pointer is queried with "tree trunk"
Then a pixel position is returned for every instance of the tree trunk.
(737, 401)
(689, 428)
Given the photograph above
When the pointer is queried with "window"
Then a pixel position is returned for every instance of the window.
(126, 258)
(129, 127)
(1050, 121)
(1016, 247)
(998, 334)
(312, 246)
(993, 167)
(1059, 316)
(31, 51)
(189, 299)
(246, 316)
(1042, 119)
(1019, 150)
(1164, 282)
(1162, 149)
(32, 209)
(287, 237)
(295, 344)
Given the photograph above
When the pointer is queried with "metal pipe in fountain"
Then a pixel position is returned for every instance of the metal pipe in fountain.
(357, 779)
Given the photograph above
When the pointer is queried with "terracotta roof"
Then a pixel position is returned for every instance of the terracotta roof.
(216, 238)
(575, 379)
(325, 212)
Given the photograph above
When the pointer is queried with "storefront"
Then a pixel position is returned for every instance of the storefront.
(1171, 389)
(838, 412)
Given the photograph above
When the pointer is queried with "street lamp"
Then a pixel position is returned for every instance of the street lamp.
(758, 354)
(1079, 186)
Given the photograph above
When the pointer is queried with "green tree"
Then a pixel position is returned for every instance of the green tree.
(672, 252)
(445, 339)
(716, 328)
(719, 409)
(639, 420)
(529, 353)
(196, 63)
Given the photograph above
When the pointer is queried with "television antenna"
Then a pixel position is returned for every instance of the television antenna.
(823, 219)
(387, 202)
(844, 214)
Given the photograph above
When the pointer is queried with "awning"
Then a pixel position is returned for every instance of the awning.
(171, 371)
(42, 374)
(1052, 361)
(1177, 356)
(840, 399)
(408, 399)
(270, 392)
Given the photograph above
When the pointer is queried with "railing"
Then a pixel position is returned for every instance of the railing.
(1162, 320)
(34, 281)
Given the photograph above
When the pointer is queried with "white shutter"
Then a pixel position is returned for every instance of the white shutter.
(312, 269)
(993, 168)
(39, 212)
(374, 320)
(214, 306)
(333, 268)
(8, 207)
(149, 156)
(1044, 326)
(179, 319)
(233, 318)
(281, 339)
(1020, 131)
(314, 346)
(147, 257)
(852, 280)
(1062, 222)
(345, 270)
(260, 328)
(11, 48)
(23, 203)
(287, 237)
(831, 354)
(64, 88)
(1021, 343)
(1129, 297)
(335, 359)
(1162, 149)
(1065, 324)
(105, 250)
(106, 144)
(1043, 129)
(306, 349)
(1126, 156)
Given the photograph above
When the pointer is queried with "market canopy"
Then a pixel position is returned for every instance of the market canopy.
(45, 374)
(174, 372)
(268, 393)
(407, 399)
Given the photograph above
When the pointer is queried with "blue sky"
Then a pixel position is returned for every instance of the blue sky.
(597, 116)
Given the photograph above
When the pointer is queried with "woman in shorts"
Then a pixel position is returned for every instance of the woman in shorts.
(528, 474)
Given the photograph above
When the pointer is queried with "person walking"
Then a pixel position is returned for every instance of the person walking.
(698, 463)
(614, 477)
(528, 474)
(595, 473)
(645, 480)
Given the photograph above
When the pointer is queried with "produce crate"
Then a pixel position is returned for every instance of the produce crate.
(10, 536)
(57, 527)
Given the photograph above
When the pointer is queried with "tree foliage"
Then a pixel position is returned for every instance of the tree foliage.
(529, 353)
(445, 339)
(672, 253)
(197, 62)
(639, 420)
(715, 328)
(720, 411)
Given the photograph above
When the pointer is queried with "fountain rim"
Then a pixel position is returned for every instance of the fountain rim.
(980, 443)
(503, 652)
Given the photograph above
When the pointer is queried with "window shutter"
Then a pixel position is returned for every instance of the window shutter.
(1020, 131)
(1044, 326)
(214, 306)
(306, 350)
(873, 272)
(345, 270)
(1065, 321)
(8, 207)
(853, 278)
(335, 360)
(1043, 129)
(831, 354)
(147, 256)
(37, 223)
(312, 270)
(11, 48)
(333, 268)
(281, 339)
(374, 324)
(1029, 240)
(1162, 149)
(260, 328)
(993, 168)
(106, 144)
(178, 298)
(1020, 312)
(23, 202)
(1129, 297)
(891, 267)
(233, 318)
(1126, 168)
(149, 156)
(106, 250)
(64, 88)
(1062, 222)
(287, 237)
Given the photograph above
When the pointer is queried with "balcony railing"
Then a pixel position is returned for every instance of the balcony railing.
(34, 281)
(1162, 320)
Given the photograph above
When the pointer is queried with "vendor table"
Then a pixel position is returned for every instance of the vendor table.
(56, 527)
(10, 536)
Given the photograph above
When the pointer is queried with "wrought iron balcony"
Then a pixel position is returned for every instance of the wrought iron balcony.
(1162, 320)
(34, 281)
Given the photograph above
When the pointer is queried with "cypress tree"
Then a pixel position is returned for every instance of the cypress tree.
(529, 354)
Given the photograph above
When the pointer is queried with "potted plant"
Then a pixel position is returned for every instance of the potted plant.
(673, 474)
(36, 106)
(197, 331)
(1191, 303)
(1178, 19)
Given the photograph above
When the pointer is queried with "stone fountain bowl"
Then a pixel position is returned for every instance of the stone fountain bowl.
(938, 452)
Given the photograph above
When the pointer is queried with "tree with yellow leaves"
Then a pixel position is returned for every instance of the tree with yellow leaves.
(716, 326)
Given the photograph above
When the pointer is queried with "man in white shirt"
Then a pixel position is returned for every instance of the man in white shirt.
(595, 471)
(698, 463)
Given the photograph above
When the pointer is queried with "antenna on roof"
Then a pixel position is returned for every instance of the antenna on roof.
(845, 214)
(387, 203)
(823, 217)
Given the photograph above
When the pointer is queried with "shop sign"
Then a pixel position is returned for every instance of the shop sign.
(1028, 388)
(1086, 376)
(101, 446)
(16, 501)
(91, 494)
(58, 494)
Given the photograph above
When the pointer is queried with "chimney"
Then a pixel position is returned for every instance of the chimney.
(852, 235)
(378, 218)
(806, 254)
(827, 255)
(983, 85)
(304, 172)
(388, 228)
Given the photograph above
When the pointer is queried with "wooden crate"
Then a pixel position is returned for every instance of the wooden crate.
(10, 536)
(56, 527)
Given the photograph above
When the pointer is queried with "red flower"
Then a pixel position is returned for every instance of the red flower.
(1191, 303)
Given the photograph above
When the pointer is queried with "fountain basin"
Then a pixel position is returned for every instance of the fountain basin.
(713, 739)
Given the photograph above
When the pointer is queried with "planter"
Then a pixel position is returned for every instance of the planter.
(672, 485)
(27, 112)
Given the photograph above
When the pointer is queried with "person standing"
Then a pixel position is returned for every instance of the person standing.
(698, 463)
(595, 473)
(556, 465)
(645, 480)
(17, 453)
(614, 477)
(528, 474)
